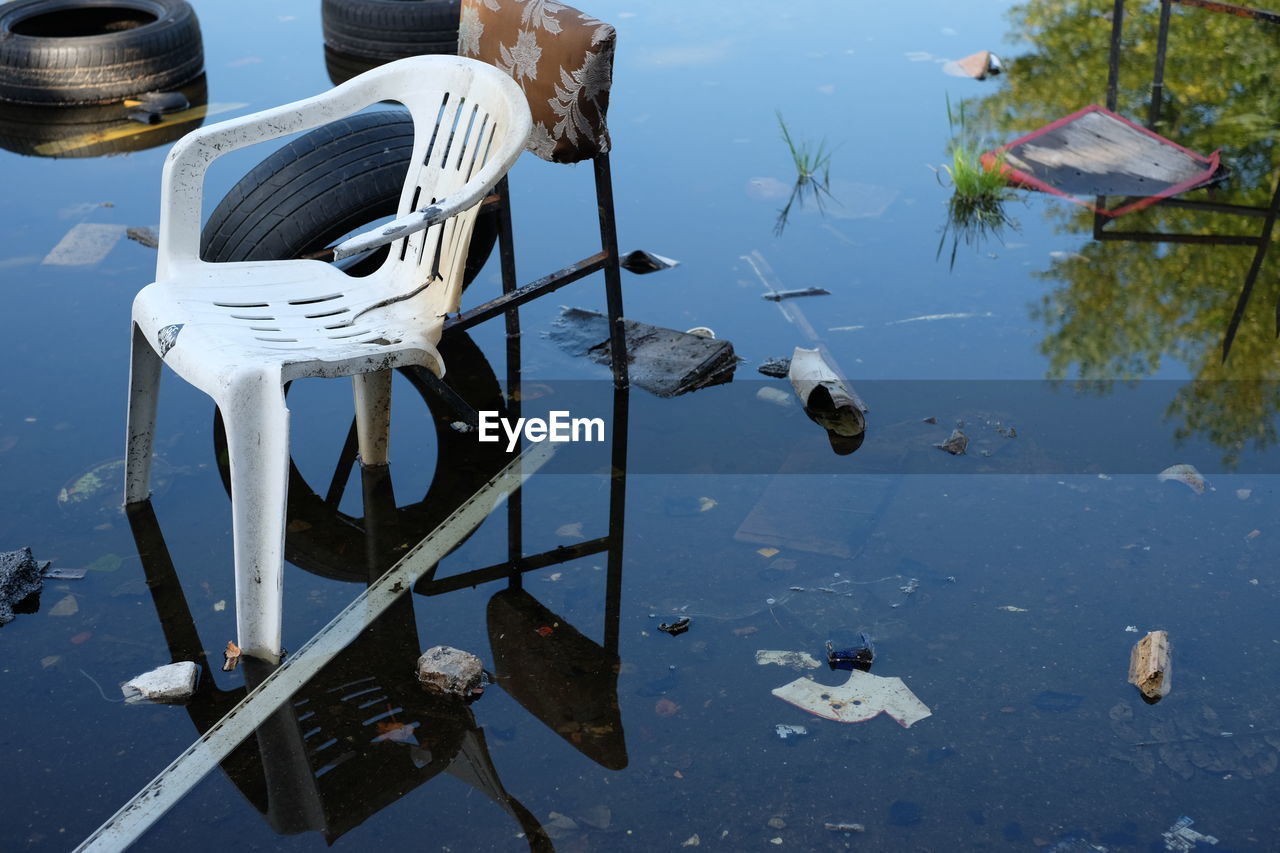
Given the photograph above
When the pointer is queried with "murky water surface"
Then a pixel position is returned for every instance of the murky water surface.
(1005, 587)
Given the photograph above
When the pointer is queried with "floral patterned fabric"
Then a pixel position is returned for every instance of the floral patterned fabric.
(562, 58)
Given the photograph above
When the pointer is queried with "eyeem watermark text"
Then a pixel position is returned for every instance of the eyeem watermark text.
(558, 426)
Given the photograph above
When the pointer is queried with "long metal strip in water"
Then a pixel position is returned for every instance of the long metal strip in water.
(173, 783)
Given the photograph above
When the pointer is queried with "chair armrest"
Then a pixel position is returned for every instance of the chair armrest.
(182, 186)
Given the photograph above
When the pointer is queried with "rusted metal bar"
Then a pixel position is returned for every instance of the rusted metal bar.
(1258, 257)
(533, 290)
(507, 258)
(1113, 64)
(612, 274)
(1157, 80)
(1232, 9)
(1156, 237)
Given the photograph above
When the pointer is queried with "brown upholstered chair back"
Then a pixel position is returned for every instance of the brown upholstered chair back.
(562, 58)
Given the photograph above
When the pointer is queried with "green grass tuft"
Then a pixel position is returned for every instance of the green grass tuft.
(813, 173)
(975, 211)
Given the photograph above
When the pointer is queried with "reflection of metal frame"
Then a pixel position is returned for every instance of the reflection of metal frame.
(1262, 242)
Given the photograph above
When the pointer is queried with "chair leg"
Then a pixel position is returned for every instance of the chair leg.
(373, 415)
(257, 423)
(144, 393)
(612, 272)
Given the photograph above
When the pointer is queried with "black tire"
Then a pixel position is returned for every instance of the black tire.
(343, 66)
(96, 51)
(89, 130)
(326, 184)
(391, 29)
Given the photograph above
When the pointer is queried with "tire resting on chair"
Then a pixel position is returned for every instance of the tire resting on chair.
(391, 29)
(96, 51)
(321, 186)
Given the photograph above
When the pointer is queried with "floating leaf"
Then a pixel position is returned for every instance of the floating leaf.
(231, 656)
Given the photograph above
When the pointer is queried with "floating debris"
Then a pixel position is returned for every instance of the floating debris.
(444, 669)
(149, 108)
(19, 581)
(683, 507)
(84, 245)
(175, 682)
(64, 574)
(956, 443)
(778, 368)
(860, 698)
(677, 627)
(1181, 838)
(784, 731)
(146, 236)
(979, 66)
(702, 332)
(572, 530)
(910, 586)
(828, 400)
(1011, 609)
(1149, 666)
(664, 362)
(776, 396)
(798, 661)
(858, 657)
(842, 826)
(66, 606)
(230, 656)
(641, 262)
(779, 295)
(1184, 474)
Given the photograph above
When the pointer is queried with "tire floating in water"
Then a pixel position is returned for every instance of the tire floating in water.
(391, 29)
(96, 51)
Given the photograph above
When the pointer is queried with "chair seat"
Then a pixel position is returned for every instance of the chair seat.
(307, 316)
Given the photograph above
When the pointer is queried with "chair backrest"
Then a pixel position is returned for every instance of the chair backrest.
(561, 57)
(459, 124)
(470, 124)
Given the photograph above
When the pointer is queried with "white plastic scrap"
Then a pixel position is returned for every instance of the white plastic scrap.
(1181, 838)
(172, 683)
(796, 660)
(784, 731)
(860, 698)
(1186, 474)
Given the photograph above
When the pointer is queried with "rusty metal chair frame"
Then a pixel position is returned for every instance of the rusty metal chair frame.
(1261, 242)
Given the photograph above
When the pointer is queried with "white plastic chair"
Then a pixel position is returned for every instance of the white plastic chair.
(240, 331)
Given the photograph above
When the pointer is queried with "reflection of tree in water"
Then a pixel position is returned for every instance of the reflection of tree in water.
(1120, 308)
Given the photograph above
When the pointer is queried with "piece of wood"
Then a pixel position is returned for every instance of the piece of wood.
(1149, 665)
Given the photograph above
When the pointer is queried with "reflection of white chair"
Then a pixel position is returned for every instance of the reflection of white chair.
(239, 331)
